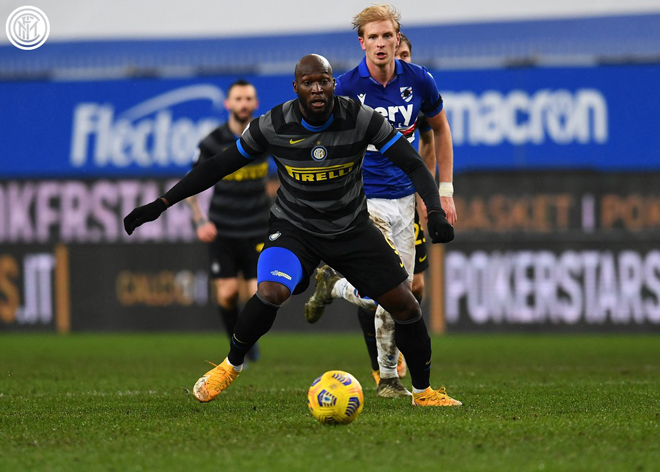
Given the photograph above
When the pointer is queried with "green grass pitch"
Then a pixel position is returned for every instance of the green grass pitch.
(531, 403)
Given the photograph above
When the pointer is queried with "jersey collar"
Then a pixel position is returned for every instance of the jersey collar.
(307, 126)
(364, 70)
(318, 129)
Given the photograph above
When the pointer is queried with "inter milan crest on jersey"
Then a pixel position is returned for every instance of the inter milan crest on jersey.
(406, 93)
(319, 153)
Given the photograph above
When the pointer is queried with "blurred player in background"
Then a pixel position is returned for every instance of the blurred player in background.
(319, 142)
(399, 91)
(238, 214)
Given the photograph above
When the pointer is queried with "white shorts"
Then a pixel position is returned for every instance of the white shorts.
(396, 219)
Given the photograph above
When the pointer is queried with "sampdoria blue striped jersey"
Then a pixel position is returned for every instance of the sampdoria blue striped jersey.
(413, 89)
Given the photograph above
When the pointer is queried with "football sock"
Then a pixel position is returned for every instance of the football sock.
(385, 342)
(366, 319)
(344, 289)
(413, 340)
(254, 321)
(418, 390)
(237, 368)
(228, 317)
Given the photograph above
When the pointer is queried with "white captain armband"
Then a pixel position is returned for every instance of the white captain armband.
(446, 189)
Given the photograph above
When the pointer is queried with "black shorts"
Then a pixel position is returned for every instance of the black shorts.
(362, 255)
(421, 255)
(229, 256)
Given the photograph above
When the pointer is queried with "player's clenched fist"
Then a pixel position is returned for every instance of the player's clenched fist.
(439, 228)
(144, 214)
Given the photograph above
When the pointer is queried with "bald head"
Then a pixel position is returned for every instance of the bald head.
(315, 88)
(310, 64)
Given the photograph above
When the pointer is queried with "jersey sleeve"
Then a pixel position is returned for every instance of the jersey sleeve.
(380, 132)
(432, 100)
(253, 143)
(207, 174)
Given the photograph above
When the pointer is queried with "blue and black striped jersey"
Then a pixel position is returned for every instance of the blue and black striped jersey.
(320, 167)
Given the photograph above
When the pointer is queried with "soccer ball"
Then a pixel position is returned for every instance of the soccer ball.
(335, 398)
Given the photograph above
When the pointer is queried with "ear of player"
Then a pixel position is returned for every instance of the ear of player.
(144, 214)
(439, 228)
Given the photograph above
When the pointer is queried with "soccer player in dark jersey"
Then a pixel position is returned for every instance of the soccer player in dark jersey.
(238, 214)
(399, 91)
(334, 286)
(318, 142)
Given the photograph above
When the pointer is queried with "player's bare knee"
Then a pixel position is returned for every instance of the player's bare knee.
(227, 292)
(406, 310)
(410, 313)
(273, 292)
(400, 303)
(227, 300)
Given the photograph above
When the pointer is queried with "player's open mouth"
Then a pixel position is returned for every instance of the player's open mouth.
(381, 55)
(318, 103)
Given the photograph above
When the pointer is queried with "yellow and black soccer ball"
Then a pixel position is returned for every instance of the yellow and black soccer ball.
(335, 398)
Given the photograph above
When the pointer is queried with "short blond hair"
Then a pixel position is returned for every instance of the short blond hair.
(375, 13)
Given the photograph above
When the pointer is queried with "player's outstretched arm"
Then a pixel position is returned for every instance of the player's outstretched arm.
(403, 155)
(197, 180)
(445, 158)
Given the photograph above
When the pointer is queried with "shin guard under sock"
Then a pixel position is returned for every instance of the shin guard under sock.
(412, 339)
(254, 321)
